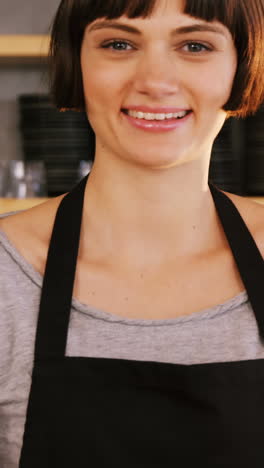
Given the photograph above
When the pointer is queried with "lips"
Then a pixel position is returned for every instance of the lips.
(125, 111)
(157, 126)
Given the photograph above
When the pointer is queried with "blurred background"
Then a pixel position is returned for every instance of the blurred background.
(43, 152)
(21, 71)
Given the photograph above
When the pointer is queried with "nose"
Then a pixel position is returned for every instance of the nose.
(157, 75)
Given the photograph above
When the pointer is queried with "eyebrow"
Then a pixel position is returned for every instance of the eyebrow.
(199, 27)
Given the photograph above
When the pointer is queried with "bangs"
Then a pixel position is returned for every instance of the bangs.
(89, 11)
(224, 11)
(113, 9)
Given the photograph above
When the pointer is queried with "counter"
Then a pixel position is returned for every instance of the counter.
(14, 204)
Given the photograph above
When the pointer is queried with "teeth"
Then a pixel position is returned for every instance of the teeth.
(148, 116)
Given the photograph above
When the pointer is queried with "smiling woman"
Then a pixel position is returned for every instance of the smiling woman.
(155, 83)
(131, 312)
(246, 26)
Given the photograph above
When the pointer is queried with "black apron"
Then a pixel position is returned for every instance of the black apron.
(100, 412)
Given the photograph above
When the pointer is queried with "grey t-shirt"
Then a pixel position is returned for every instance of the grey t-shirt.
(226, 332)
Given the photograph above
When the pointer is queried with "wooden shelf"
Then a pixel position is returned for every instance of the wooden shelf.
(16, 48)
(257, 199)
(14, 204)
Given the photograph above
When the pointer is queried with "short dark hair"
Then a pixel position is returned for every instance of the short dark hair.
(243, 18)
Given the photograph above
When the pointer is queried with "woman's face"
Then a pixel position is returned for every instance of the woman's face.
(156, 66)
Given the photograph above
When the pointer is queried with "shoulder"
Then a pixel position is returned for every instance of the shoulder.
(252, 213)
(29, 231)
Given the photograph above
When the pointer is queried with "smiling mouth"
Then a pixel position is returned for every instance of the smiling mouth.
(157, 116)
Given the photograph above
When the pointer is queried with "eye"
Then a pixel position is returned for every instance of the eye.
(116, 45)
(197, 47)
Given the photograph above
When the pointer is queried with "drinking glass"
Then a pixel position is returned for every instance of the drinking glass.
(26, 179)
(85, 168)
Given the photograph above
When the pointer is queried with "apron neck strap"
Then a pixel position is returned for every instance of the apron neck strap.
(245, 251)
(58, 283)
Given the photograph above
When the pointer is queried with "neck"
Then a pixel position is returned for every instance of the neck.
(142, 217)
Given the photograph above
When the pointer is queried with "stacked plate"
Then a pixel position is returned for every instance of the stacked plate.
(61, 139)
(226, 162)
(254, 136)
(65, 141)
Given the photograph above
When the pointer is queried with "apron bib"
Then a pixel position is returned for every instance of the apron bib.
(101, 413)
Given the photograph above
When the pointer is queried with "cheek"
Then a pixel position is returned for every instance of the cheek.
(101, 85)
(223, 80)
(222, 89)
(212, 89)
